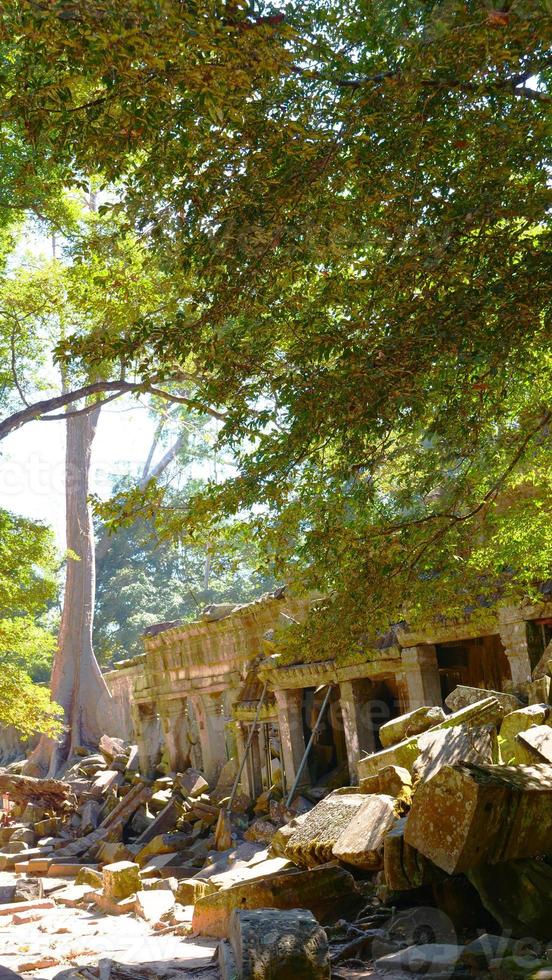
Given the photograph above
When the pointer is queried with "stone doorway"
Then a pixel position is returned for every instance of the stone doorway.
(329, 751)
(478, 662)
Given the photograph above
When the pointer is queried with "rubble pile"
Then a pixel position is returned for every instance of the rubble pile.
(439, 861)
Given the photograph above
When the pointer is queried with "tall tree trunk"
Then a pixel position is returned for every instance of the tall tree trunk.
(77, 682)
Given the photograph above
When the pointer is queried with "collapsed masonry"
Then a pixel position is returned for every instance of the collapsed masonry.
(194, 694)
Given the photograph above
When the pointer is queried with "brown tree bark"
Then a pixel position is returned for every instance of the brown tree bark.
(77, 682)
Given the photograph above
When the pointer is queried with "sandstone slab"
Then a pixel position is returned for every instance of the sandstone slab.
(463, 696)
(404, 754)
(120, 880)
(361, 843)
(328, 892)
(273, 944)
(449, 745)
(413, 723)
(469, 815)
(519, 721)
(538, 742)
(312, 843)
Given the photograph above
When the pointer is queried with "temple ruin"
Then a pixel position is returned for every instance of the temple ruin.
(194, 694)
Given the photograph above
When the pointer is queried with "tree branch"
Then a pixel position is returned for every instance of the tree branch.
(44, 408)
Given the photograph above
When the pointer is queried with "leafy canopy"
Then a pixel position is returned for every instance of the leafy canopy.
(354, 201)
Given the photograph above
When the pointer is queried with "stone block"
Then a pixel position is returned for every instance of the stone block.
(518, 894)
(405, 753)
(404, 868)
(328, 892)
(192, 783)
(361, 843)
(519, 721)
(463, 696)
(89, 876)
(468, 815)
(274, 944)
(312, 843)
(163, 844)
(450, 745)
(190, 890)
(153, 904)
(392, 781)
(539, 691)
(412, 723)
(537, 742)
(120, 879)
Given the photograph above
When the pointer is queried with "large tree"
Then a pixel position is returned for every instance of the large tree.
(357, 200)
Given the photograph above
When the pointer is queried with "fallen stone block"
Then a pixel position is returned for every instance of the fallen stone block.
(192, 783)
(463, 696)
(110, 747)
(121, 879)
(28, 890)
(425, 958)
(451, 745)
(238, 874)
(189, 890)
(404, 868)
(64, 869)
(104, 781)
(74, 895)
(538, 691)
(111, 851)
(413, 723)
(468, 815)
(405, 753)
(260, 830)
(537, 742)
(391, 781)
(163, 844)
(361, 843)
(279, 842)
(89, 876)
(90, 816)
(328, 892)
(111, 906)
(312, 843)
(271, 944)
(487, 947)
(153, 904)
(518, 894)
(519, 721)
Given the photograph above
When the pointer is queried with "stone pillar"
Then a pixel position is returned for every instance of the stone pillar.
(359, 733)
(256, 766)
(421, 674)
(292, 739)
(174, 722)
(512, 630)
(211, 722)
(148, 737)
(228, 699)
(240, 730)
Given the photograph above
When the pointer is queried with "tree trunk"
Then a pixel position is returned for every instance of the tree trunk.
(77, 683)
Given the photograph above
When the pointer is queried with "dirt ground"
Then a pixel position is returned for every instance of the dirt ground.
(46, 941)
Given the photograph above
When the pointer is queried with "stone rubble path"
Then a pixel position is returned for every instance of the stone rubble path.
(75, 937)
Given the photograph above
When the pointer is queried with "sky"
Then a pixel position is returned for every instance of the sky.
(32, 470)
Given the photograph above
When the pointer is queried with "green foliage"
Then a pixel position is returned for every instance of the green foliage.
(353, 206)
(145, 580)
(28, 585)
